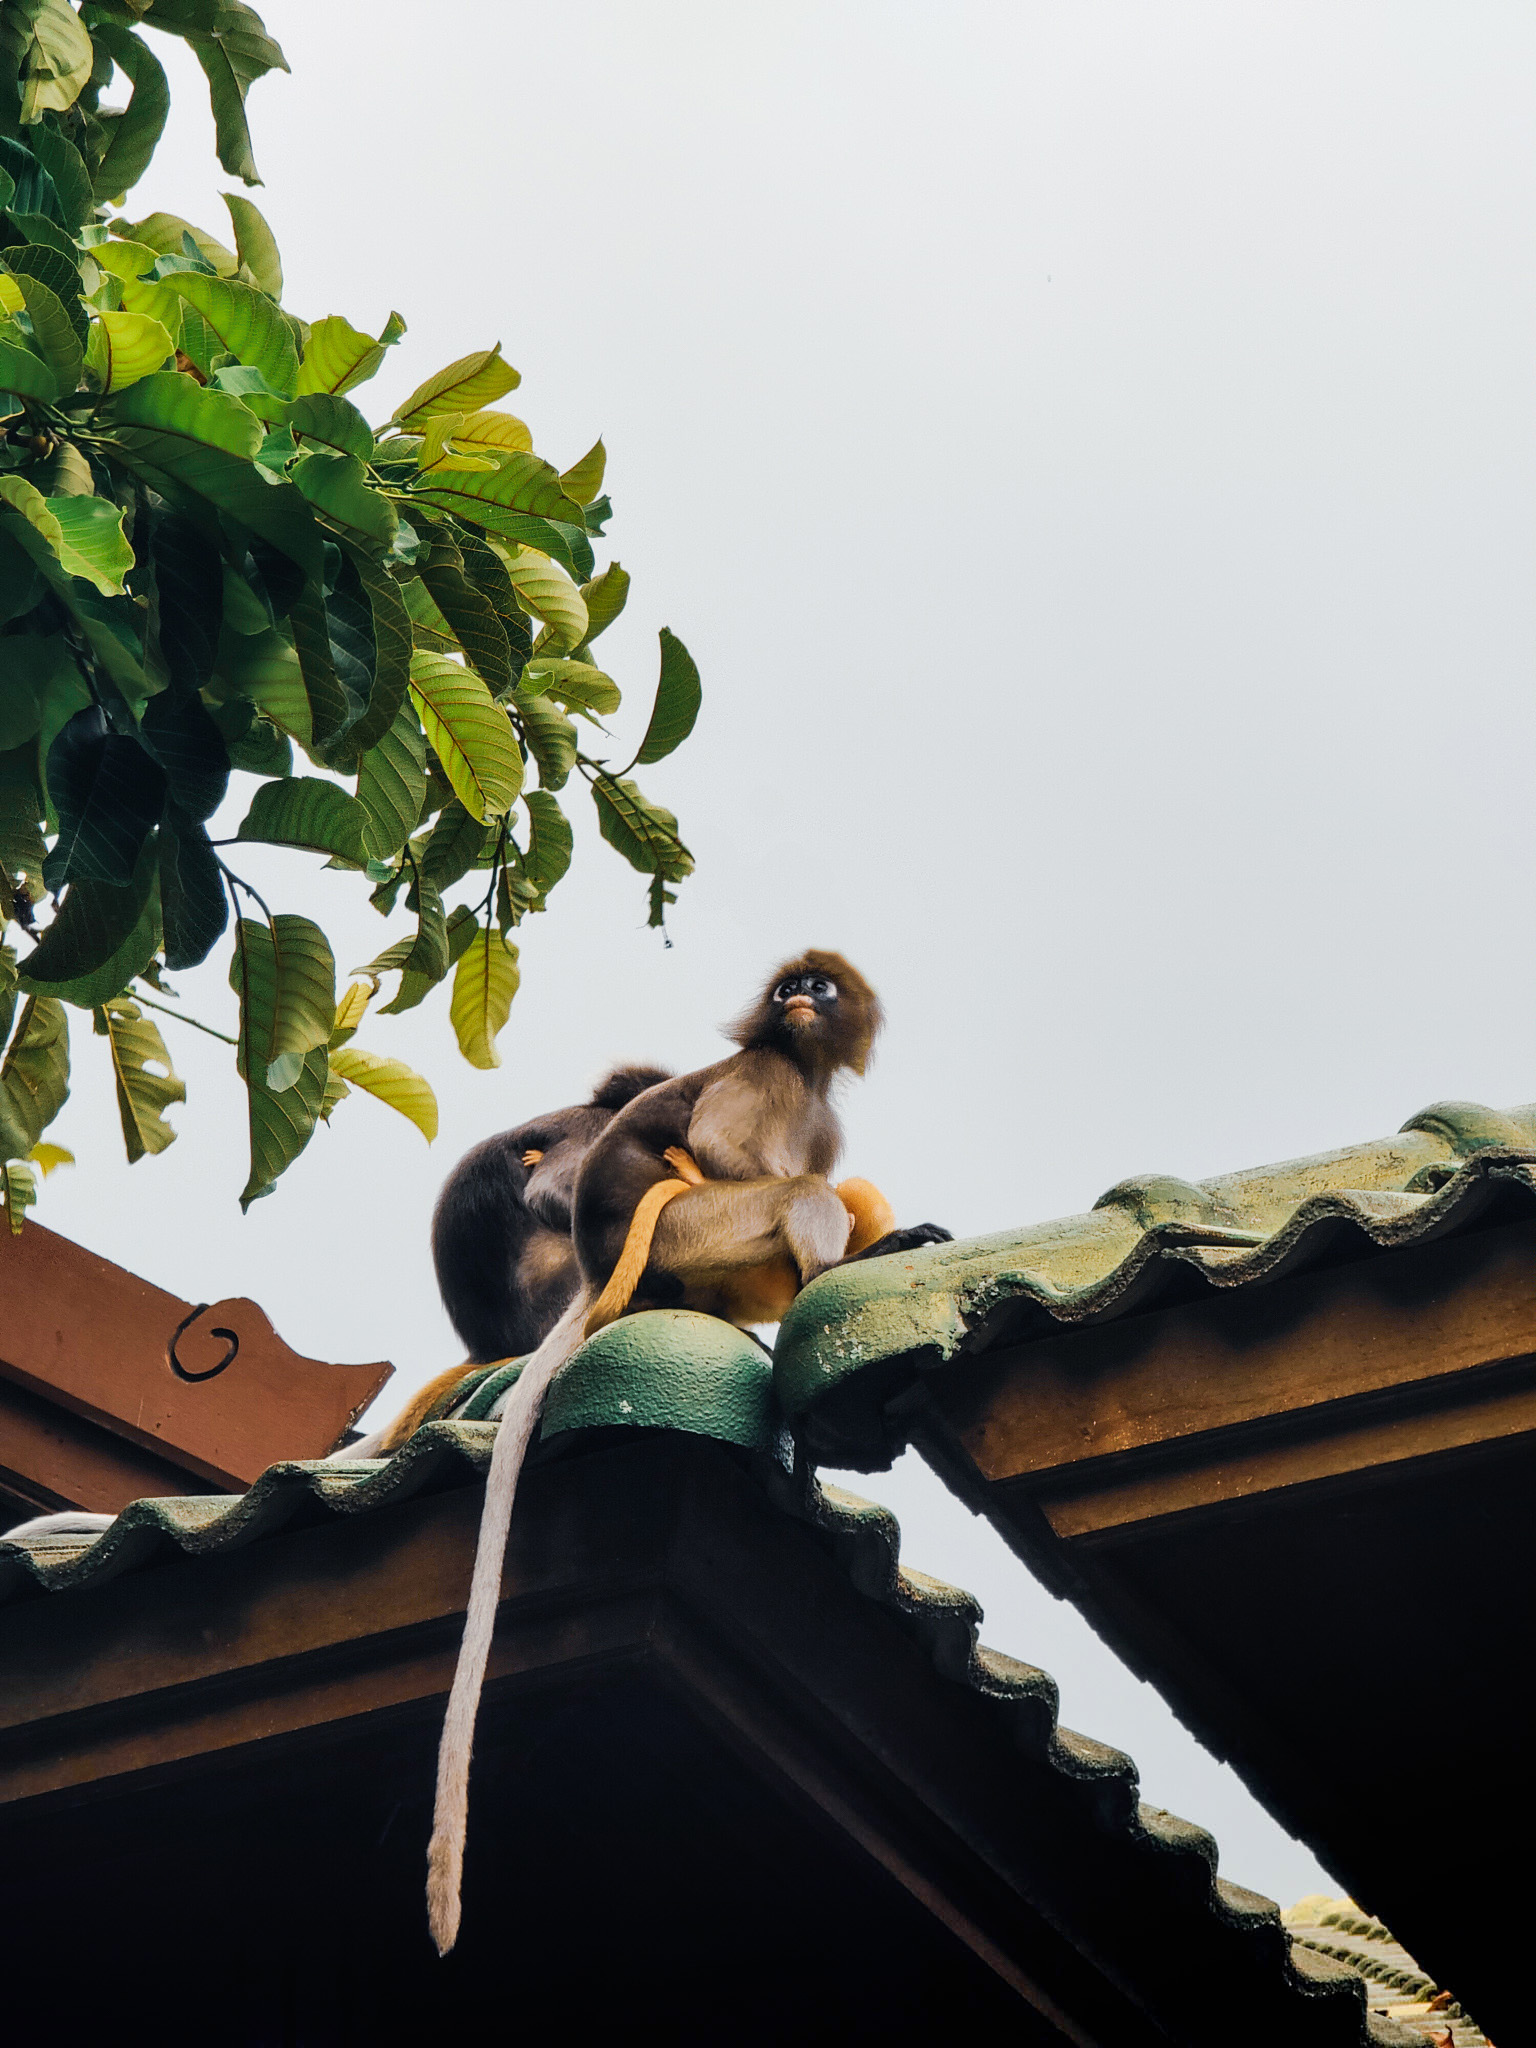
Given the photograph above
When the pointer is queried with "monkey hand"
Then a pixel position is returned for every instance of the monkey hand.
(903, 1241)
(684, 1165)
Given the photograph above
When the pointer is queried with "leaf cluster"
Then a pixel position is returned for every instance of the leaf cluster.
(213, 563)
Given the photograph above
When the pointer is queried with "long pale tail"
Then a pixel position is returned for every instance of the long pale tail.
(525, 1403)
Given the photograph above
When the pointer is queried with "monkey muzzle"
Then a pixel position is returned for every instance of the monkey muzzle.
(800, 1010)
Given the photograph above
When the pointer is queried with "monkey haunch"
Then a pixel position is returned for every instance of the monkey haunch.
(707, 1190)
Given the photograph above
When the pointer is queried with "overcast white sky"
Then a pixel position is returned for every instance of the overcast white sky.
(1088, 450)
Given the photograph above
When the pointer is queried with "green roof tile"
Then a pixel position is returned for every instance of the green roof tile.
(1145, 1236)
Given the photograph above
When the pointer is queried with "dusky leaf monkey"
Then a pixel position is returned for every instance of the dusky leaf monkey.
(501, 1237)
(709, 1191)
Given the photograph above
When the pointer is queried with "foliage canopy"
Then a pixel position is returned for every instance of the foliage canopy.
(211, 562)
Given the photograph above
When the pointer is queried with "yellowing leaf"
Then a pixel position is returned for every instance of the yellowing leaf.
(393, 1082)
(584, 480)
(336, 356)
(85, 533)
(350, 1011)
(127, 262)
(11, 299)
(56, 59)
(548, 593)
(162, 232)
(494, 430)
(484, 983)
(471, 382)
(469, 733)
(146, 1081)
(437, 450)
(125, 347)
(246, 321)
(92, 542)
(255, 243)
(47, 1157)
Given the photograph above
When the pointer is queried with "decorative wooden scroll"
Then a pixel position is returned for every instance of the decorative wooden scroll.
(111, 1389)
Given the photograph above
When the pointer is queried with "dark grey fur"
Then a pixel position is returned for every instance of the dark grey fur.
(501, 1232)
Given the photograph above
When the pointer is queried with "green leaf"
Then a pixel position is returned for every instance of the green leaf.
(125, 348)
(584, 480)
(21, 847)
(166, 234)
(336, 485)
(575, 684)
(549, 594)
(414, 984)
(246, 321)
(133, 133)
(306, 812)
(337, 357)
(54, 333)
(605, 598)
(285, 976)
(184, 739)
(85, 535)
(66, 167)
(193, 905)
(471, 616)
(92, 542)
(455, 844)
(56, 58)
(469, 734)
(128, 263)
(23, 372)
(264, 668)
(391, 783)
(168, 424)
(18, 1190)
(332, 422)
(521, 499)
(392, 1082)
(473, 381)
(255, 244)
(391, 654)
(107, 791)
(234, 53)
(549, 841)
(643, 832)
(484, 984)
(143, 1094)
(678, 695)
(101, 939)
(34, 1081)
(282, 1124)
(551, 739)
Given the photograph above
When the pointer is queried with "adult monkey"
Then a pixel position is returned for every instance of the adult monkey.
(698, 1189)
(501, 1238)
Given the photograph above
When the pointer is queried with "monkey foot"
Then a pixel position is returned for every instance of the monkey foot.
(903, 1241)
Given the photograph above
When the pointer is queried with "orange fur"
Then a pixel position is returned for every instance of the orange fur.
(419, 1408)
(873, 1216)
(625, 1277)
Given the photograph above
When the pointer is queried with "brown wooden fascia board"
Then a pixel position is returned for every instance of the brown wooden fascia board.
(213, 1388)
(52, 1458)
(1438, 1326)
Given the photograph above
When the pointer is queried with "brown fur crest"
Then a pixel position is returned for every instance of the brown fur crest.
(850, 1030)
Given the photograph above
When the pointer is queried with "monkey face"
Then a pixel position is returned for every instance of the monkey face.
(819, 1009)
(804, 1000)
